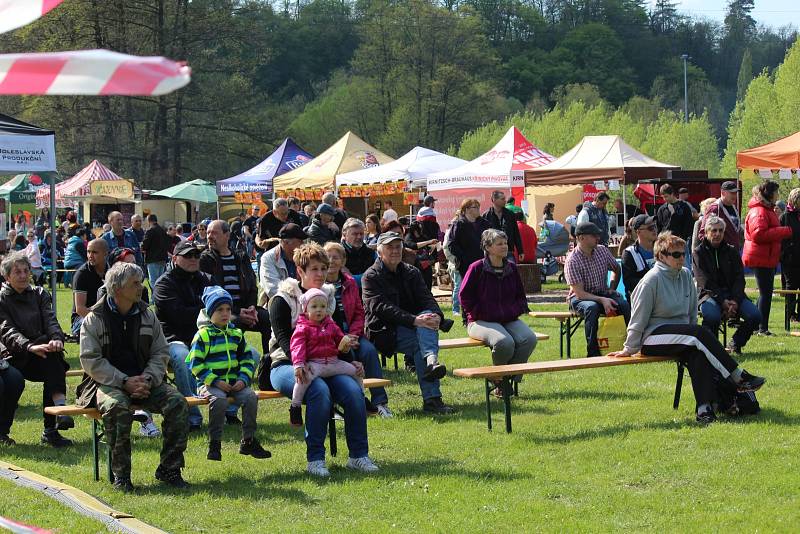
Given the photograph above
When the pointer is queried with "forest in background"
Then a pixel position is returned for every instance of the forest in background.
(440, 74)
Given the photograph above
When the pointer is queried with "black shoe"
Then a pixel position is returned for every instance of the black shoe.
(436, 406)
(733, 349)
(434, 372)
(64, 422)
(232, 420)
(140, 416)
(195, 428)
(5, 439)
(446, 325)
(706, 418)
(750, 383)
(411, 369)
(214, 451)
(54, 439)
(171, 477)
(123, 484)
(371, 409)
(296, 415)
(251, 447)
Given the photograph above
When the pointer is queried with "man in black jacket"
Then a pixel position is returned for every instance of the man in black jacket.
(503, 219)
(638, 258)
(322, 228)
(156, 248)
(676, 216)
(359, 256)
(403, 316)
(719, 274)
(232, 271)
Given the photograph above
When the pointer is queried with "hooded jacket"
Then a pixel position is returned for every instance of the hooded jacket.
(315, 342)
(178, 303)
(762, 235)
(320, 233)
(26, 319)
(220, 353)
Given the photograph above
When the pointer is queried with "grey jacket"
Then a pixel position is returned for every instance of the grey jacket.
(663, 296)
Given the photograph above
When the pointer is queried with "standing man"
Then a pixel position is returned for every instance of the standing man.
(595, 213)
(87, 281)
(675, 215)
(156, 245)
(136, 227)
(119, 237)
(388, 213)
(586, 271)
(249, 229)
(271, 223)
(725, 209)
(638, 258)
(296, 214)
(427, 218)
(236, 237)
(501, 218)
(124, 352)
(232, 271)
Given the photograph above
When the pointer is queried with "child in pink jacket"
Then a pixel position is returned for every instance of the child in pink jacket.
(315, 346)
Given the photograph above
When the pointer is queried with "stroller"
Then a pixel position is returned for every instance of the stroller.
(554, 241)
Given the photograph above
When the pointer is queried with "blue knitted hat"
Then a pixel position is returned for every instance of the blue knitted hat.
(213, 296)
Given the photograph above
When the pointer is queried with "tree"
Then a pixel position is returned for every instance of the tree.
(745, 75)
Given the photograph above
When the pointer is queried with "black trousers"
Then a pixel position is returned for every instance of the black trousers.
(791, 278)
(51, 371)
(12, 384)
(265, 329)
(699, 349)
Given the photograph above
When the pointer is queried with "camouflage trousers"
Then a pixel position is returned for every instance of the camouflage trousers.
(115, 407)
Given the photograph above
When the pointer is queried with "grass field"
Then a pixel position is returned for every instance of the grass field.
(593, 450)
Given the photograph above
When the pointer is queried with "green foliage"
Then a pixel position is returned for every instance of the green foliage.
(745, 75)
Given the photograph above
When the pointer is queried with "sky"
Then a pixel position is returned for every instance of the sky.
(775, 13)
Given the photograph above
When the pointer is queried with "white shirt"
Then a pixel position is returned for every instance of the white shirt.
(389, 215)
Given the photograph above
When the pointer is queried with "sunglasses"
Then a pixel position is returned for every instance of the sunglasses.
(675, 255)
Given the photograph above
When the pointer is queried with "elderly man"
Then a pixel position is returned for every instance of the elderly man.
(136, 227)
(277, 264)
(32, 341)
(232, 271)
(501, 218)
(155, 246)
(719, 274)
(725, 208)
(359, 256)
(595, 213)
(87, 282)
(322, 228)
(119, 237)
(638, 258)
(402, 316)
(586, 272)
(178, 303)
(339, 216)
(124, 353)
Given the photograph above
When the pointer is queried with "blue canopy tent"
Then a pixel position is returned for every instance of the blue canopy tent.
(286, 157)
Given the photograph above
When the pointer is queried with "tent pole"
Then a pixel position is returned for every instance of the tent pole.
(53, 250)
(624, 209)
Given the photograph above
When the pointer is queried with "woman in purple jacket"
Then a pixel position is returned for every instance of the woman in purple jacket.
(492, 299)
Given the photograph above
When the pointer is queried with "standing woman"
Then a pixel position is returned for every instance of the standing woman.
(465, 238)
(373, 230)
(790, 250)
(762, 245)
(284, 308)
(492, 299)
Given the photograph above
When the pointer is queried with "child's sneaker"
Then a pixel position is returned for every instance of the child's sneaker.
(363, 464)
(251, 447)
(296, 415)
(318, 469)
(214, 451)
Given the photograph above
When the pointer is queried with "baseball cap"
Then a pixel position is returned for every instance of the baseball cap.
(683, 190)
(588, 228)
(642, 220)
(730, 186)
(388, 237)
(326, 209)
(292, 231)
(184, 248)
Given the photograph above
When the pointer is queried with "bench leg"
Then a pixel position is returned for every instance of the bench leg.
(678, 386)
(786, 312)
(95, 449)
(489, 386)
(506, 387)
(395, 361)
(561, 333)
(332, 432)
(383, 360)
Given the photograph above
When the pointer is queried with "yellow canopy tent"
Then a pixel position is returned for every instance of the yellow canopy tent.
(350, 153)
(565, 197)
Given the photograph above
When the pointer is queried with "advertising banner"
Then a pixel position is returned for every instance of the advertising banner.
(27, 153)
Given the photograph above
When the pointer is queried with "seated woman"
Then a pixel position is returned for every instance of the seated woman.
(492, 299)
(33, 341)
(284, 308)
(349, 315)
(664, 323)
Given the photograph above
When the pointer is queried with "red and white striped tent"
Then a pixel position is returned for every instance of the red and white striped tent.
(77, 186)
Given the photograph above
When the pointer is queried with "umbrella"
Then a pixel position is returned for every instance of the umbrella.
(194, 191)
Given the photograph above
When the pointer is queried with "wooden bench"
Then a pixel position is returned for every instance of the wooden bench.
(504, 374)
(459, 343)
(786, 310)
(98, 433)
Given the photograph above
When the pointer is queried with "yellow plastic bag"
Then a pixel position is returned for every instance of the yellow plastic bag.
(611, 333)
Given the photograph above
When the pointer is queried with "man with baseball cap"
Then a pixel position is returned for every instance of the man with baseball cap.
(322, 228)
(277, 264)
(402, 316)
(586, 271)
(726, 208)
(638, 258)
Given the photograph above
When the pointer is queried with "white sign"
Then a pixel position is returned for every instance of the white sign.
(765, 173)
(27, 153)
(785, 174)
(600, 185)
(613, 185)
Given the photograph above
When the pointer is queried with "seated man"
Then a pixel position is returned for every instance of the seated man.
(586, 272)
(403, 316)
(359, 256)
(638, 258)
(124, 353)
(87, 281)
(719, 274)
(277, 263)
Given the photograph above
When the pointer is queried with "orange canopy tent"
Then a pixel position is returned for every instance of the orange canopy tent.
(781, 154)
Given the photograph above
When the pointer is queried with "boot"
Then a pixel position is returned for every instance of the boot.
(214, 450)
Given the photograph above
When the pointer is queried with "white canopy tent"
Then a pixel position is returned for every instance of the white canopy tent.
(414, 167)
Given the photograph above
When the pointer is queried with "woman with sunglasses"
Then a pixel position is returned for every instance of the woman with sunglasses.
(664, 323)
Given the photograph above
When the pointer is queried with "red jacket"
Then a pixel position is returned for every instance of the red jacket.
(529, 242)
(762, 236)
(353, 307)
(315, 342)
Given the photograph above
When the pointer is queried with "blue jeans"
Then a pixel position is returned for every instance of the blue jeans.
(319, 399)
(455, 275)
(419, 343)
(184, 379)
(591, 312)
(367, 354)
(765, 280)
(154, 270)
(688, 258)
(76, 326)
(751, 317)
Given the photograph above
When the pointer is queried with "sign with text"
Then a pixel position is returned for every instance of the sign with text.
(27, 153)
(121, 189)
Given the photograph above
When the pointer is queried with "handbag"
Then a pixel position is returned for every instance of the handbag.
(611, 333)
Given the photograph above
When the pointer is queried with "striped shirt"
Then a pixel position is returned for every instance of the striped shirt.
(230, 278)
(591, 271)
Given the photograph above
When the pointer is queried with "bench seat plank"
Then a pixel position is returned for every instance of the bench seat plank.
(499, 371)
(560, 315)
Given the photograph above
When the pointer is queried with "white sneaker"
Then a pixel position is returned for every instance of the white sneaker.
(363, 464)
(384, 411)
(149, 430)
(318, 469)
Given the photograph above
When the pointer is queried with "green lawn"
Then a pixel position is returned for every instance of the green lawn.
(593, 450)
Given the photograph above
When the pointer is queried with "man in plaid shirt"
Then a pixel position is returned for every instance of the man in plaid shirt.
(586, 271)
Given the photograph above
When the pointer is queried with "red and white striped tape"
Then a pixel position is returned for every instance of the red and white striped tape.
(17, 13)
(90, 72)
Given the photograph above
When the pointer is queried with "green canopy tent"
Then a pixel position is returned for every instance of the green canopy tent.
(196, 192)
